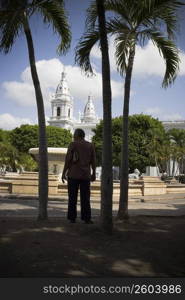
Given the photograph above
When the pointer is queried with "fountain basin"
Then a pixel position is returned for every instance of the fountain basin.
(56, 159)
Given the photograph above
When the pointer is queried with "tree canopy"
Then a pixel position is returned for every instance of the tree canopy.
(26, 137)
(58, 137)
(4, 135)
(9, 156)
(142, 129)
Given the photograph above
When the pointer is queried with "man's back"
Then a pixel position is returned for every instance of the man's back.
(82, 156)
(79, 160)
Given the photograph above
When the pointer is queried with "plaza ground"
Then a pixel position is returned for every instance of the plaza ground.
(150, 244)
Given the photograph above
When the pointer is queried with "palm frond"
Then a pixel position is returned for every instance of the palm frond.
(169, 52)
(122, 8)
(53, 13)
(117, 25)
(10, 28)
(160, 12)
(144, 35)
(123, 43)
(83, 49)
(91, 16)
(122, 32)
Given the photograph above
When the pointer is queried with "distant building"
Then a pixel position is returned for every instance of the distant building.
(174, 124)
(62, 105)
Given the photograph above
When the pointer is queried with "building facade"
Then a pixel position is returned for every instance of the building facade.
(62, 105)
(180, 124)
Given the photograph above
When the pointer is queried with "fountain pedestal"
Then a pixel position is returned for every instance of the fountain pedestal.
(56, 158)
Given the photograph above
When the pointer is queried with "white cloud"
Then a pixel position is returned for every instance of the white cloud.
(8, 121)
(20, 92)
(147, 61)
(182, 64)
(49, 71)
(96, 53)
(81, 86)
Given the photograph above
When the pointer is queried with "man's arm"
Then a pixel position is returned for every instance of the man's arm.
(67, 162)
(93, 164)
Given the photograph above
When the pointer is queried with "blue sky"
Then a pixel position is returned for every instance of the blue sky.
(18, 105)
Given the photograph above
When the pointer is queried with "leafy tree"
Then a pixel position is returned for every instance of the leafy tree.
(58, 137)
(5, 135)
(9, 156)
(142, 131)
(27, 162)
(13, 21)
(24, 137)
(116, 141)
(134, 22)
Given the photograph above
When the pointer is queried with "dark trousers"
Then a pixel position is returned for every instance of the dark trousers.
(73, 187)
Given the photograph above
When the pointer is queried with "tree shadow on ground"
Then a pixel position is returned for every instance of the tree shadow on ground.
(142, 247)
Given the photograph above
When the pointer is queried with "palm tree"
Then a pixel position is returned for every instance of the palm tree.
(134, 22)
(177, 146)
(14, 20)
(106, 182)
(155, 147)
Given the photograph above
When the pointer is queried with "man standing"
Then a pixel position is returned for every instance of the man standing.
(80, 159)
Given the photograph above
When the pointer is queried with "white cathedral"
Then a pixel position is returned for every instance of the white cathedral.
(62, 111)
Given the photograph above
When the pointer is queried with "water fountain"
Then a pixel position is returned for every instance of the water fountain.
(56, 158)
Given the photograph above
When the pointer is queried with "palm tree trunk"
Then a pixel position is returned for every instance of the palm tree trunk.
(123, 200)
(43, 157)
(178, 167)
(182, 166)
(106, 181)
(157, 166)
(173, 167)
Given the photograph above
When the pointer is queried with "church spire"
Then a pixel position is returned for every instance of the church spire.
(63, 74)
(89, 111)
(62, 88)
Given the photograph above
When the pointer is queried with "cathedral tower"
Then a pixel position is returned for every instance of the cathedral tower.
(62, 111)
(62, 106)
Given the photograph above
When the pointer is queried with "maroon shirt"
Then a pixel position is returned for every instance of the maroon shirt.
(80, 158)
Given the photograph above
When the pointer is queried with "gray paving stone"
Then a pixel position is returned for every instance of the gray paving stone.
(27, 206)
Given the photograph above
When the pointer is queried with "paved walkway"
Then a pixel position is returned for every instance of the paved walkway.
(158, 205)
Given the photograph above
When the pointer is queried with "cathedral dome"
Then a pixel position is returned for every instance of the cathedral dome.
(89, 111)
(62, 88)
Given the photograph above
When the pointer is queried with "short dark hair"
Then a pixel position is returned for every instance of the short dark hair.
(79, 133)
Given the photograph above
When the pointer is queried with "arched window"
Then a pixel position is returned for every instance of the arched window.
(69, 112)
(58, 111)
